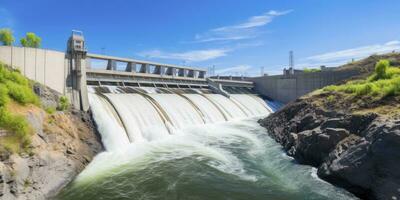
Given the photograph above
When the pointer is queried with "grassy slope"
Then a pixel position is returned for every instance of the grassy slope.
(377, 92)
(15, 93)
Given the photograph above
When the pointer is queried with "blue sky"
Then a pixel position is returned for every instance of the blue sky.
(237, 36)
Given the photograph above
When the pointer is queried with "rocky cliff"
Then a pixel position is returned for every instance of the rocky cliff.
(62, 144)
(350, 132)
(360, 152)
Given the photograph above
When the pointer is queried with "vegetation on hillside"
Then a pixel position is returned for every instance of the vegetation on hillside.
(14, 88)
(311, 70)
(384, 82)
(379, 92)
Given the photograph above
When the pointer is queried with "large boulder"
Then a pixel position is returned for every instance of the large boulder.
(370, 165)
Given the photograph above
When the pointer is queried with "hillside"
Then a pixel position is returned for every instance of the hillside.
(367, 66)
(43, 143)
(350, 131)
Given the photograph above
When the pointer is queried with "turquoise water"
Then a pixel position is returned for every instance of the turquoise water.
(234, 160)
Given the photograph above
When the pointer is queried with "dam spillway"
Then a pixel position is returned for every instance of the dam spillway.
(174, 143)
(171, 133)
(145, 114)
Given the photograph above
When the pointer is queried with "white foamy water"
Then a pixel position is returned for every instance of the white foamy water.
(210, 111)
(151, 116)
(141, 118)
(112, 132)
(251, 104)
(230, 109)
(180, 111)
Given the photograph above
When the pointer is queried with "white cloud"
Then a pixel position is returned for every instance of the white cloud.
(337, 58)
(191, 56)
(237, 70)
(356, 53)
(244, 30)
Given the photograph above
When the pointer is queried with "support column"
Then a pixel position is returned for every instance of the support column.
(111, 65)
(162, 70)
(202, 74)
(144, 68)
(131, 67)
(157, 70)
(191, 73)
(171, 71)
(181, 72)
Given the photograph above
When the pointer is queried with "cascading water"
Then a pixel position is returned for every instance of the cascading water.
(141, 119)
(175, 146)
(179, 110)
(112, 132)
(210, 111)
(230, 109)
(250, 104)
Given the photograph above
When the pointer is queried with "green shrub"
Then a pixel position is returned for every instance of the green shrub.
(17, 77)
(16, 124)
(17, 85)
(50, 110)
(381, 68)
(4, 99)
(308, 70)
(4, 73)
(14, 86)
(21, 93)
(385, 81)
(330, 98)
(63, 103)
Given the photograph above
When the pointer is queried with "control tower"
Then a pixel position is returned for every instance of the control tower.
(76, 79)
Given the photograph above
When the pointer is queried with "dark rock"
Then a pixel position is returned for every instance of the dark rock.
(336, 134)
(308, 122)
(361, 122)
(334, 123)
(359, 152)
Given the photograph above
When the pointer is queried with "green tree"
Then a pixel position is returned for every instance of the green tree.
(31, 40)
(6, 36)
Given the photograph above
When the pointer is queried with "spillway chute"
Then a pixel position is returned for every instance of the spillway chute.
(145, 114)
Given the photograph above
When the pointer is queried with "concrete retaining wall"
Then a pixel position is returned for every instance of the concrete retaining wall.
(286, 88)
(47, 67)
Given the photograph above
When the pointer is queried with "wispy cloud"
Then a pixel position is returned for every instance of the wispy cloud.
(6, 19)
(337, 58)
(190, 56)
(356, 53)
(247, 29)
(197, 55)
(244, 30)
(236, 70)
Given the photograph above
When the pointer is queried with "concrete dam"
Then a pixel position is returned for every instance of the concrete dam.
(70, 72)
(169, 131)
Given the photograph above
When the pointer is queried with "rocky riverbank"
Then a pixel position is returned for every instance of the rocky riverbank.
(350, 132)
(62, 144)
(360, 152)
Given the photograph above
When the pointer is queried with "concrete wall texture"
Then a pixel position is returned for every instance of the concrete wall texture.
(47, 67)
(286, 88)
